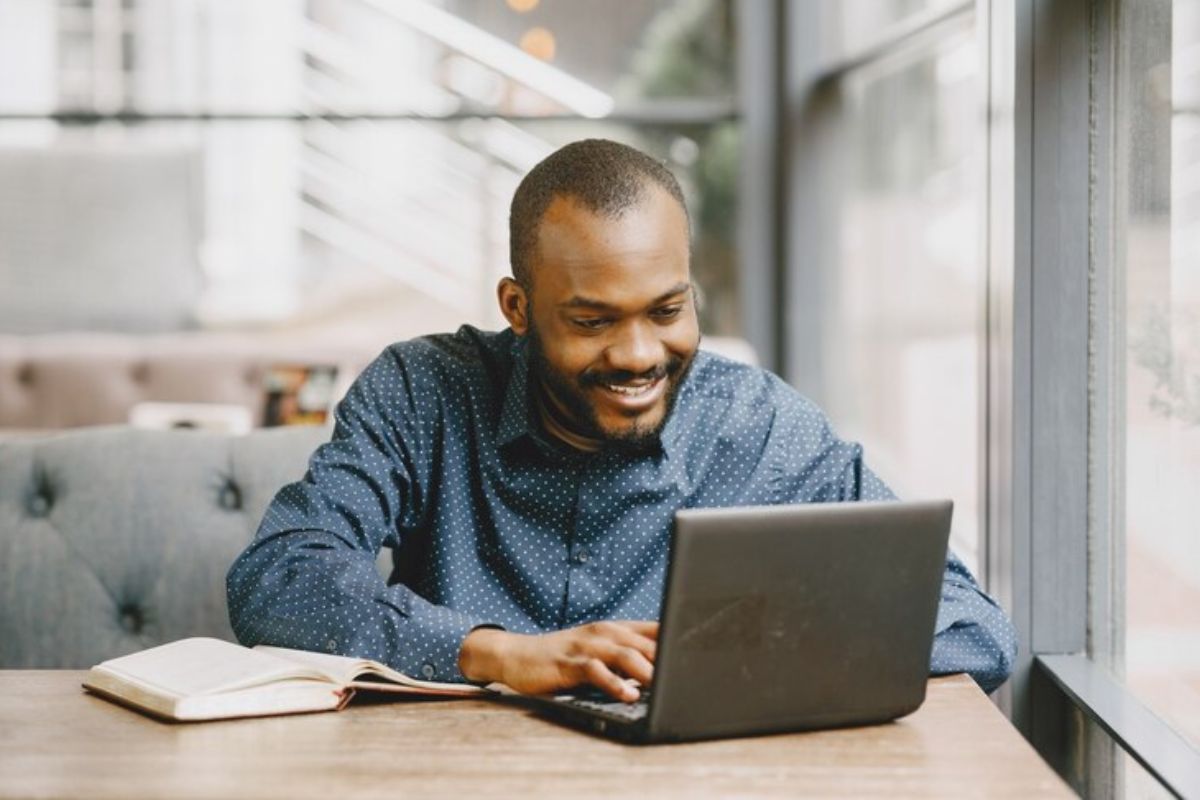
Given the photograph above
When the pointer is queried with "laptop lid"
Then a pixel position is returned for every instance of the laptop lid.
(793, 617)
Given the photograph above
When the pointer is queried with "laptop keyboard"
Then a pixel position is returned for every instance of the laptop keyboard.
(600, 703)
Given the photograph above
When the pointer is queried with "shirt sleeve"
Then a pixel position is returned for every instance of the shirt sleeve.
(309, 581)
(972, 633)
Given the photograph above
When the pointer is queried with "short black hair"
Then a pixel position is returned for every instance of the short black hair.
(607, 177)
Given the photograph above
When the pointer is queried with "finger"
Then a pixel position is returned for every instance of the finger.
(645, 627)
(597, 673)
(600, 636)
(632, 664)
(628, 637)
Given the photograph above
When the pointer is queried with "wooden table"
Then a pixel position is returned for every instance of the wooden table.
(57, 741)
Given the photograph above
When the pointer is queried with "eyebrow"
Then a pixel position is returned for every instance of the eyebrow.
(599, 305)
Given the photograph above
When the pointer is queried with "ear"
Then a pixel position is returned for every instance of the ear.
(514, 305)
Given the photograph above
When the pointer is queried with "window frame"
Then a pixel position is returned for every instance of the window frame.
(1055, 453)
(1051, 538)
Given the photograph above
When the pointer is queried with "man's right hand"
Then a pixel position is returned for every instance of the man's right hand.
(604, 654)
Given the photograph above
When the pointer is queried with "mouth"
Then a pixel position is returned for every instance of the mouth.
(636, 395)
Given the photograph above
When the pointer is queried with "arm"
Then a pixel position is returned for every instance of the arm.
(972, 634)
(308, 580)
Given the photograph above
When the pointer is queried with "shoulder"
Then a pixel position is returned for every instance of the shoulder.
(423, 377)
(723, 385)
(446, 361)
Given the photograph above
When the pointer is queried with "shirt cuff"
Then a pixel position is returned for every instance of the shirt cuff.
(435, 639)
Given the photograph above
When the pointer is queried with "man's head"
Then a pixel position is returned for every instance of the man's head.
(602, 288)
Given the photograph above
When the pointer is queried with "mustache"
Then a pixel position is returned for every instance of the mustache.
(670, 369)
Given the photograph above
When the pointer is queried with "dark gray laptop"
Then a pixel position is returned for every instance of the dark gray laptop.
(783, 618)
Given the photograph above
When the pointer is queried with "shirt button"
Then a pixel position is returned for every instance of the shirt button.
(427, 671)
(581, 555)
(331, 645)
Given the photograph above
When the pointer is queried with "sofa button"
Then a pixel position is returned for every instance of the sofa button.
(39, 505)
(25, 374)
(139, 372)
(131, 618)
(230, 497)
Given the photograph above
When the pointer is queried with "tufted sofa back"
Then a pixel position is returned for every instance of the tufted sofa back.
(115, 539)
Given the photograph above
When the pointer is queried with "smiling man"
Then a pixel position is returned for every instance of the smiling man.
(527, 479)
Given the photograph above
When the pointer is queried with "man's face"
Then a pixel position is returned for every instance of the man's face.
(611, 320)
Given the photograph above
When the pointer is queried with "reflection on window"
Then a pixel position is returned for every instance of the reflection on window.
(1159, 76)
(904, 340)
(861, 23)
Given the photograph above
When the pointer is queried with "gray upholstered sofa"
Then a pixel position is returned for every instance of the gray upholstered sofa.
(115, 539)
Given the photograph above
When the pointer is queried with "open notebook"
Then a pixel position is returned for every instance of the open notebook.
(200, 678)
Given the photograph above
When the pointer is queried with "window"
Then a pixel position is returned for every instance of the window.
(1093, 267)
(902, 278)
(1158, 261)
(904, 340)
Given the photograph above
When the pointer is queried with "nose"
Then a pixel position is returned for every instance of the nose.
(638, 350)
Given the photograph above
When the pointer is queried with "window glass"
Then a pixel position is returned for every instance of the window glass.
(857, 24)
(904, 337)
(1158, 233)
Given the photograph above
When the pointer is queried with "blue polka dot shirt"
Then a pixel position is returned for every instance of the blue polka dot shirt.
(438, 453)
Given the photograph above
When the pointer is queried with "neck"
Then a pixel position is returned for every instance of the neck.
(555, 421)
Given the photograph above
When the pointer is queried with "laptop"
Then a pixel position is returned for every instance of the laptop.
(784, 618)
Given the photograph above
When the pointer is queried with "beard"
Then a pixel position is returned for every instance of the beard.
(581, 417)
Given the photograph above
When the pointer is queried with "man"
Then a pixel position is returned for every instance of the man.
(528, 479)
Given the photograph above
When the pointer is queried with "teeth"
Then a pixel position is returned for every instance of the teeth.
(631, 391)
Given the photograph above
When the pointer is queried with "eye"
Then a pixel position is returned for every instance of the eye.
(591, 323)
(667, 312)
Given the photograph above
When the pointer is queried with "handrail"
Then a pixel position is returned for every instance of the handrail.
(509, 60)
(896, 38)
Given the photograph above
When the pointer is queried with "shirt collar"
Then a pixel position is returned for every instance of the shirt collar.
(516, 416)
(671, 436)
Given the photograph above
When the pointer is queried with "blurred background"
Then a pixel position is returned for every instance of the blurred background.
(214, 213)
(308, 180)
(390, 210)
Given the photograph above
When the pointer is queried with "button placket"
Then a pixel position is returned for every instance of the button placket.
(574, 545)
(587, 553)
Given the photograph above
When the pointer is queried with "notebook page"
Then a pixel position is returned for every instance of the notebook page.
(342, 669)
(346, 669)
(200, 666)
